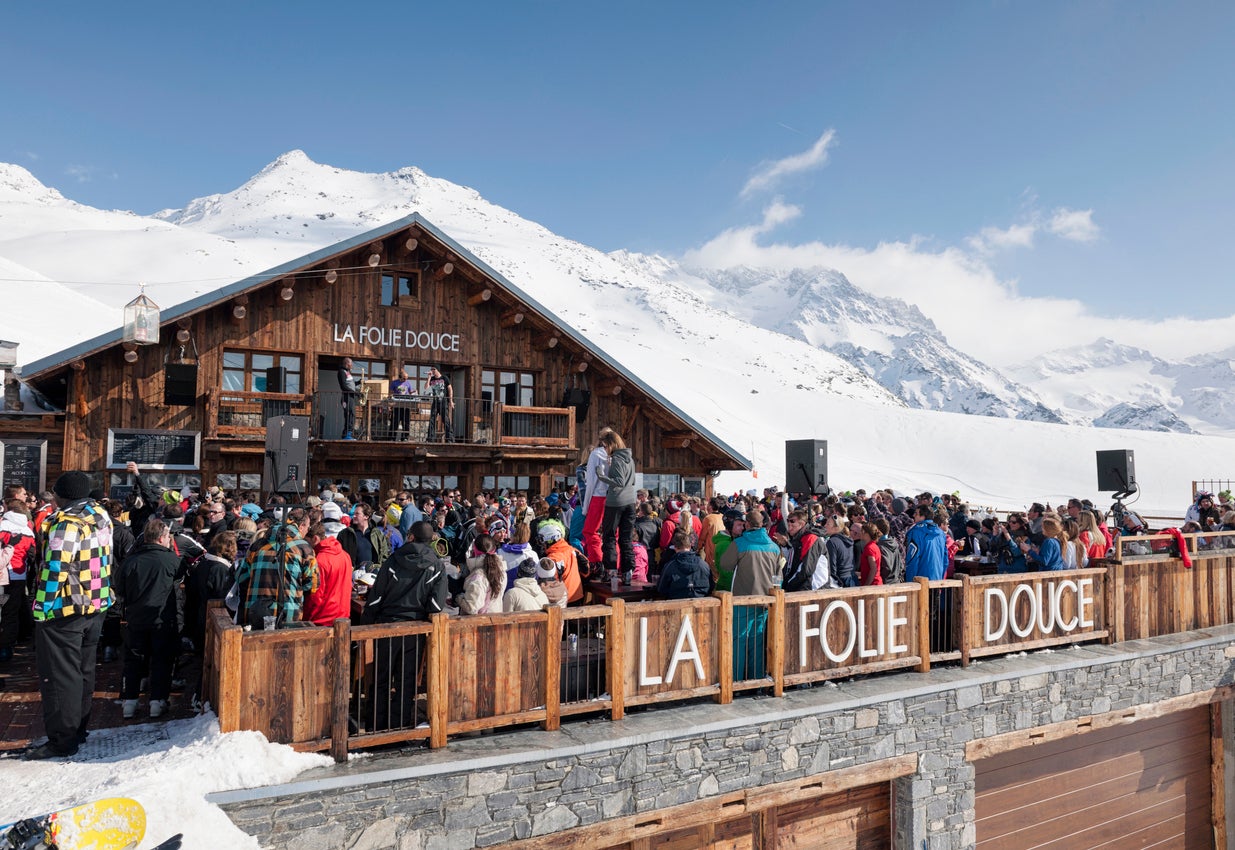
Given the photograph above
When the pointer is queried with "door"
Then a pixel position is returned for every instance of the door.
(1144, 784)
(329, 410)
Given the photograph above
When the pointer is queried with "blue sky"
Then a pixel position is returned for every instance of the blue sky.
(1072, 150)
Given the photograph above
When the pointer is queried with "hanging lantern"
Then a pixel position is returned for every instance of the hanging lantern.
(141, 321)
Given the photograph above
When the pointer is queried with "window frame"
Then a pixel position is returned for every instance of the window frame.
(409, 301)
(251, 374)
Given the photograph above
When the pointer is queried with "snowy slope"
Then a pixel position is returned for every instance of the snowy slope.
(731, 359)
(1114, 385)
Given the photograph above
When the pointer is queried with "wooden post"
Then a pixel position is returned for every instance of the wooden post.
(968, 618)
(341, 649)
(480, 298)
(724, 652)
(615, 656)
(438, 697)
(230, 679)
(209, 689)
(1114, 623)
(776, 641)
(553, 668)
(924, 624)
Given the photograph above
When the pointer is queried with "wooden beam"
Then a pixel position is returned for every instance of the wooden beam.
(444, 271)
(607, 388)
(547, 343)
(630, 420)
(512, 318)
(481, 297)
(411, 244)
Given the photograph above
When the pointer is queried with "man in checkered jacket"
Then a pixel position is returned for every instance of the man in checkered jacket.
(70, 599)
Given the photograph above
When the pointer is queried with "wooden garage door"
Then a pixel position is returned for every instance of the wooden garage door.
(858, 819)
(1144, 784)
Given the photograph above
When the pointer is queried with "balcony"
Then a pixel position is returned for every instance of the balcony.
(413, 419)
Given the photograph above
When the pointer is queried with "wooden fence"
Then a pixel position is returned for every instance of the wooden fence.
(348, 687)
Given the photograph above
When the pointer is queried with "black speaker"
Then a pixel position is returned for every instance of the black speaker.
(180, 384)
(578, 398)
(806, 466)
(276, 379)
(1116, 471)
(286, 469)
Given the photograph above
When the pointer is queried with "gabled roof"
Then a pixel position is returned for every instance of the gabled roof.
(195, 305)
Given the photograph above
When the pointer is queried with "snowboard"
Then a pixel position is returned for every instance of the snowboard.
(116, 823)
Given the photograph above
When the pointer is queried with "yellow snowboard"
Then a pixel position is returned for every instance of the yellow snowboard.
(116, 823)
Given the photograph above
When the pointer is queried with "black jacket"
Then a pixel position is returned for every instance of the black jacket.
(146, 582)
(648, 529)
(210, 578)
(841, 560)
(411, 585)
(685, 576)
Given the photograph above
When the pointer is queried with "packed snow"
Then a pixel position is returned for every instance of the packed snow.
(169, 768)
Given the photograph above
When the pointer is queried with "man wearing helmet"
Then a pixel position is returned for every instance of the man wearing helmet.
(553, 538)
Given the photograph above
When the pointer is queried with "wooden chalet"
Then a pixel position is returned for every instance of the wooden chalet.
(531, 392)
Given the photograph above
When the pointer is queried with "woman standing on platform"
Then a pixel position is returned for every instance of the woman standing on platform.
(594, 506)
(619, 507)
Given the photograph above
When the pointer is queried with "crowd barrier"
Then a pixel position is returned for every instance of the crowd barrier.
(350, 687)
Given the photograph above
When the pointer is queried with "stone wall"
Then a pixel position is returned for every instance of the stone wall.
(485, 791)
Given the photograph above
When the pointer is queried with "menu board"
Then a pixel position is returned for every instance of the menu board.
(25, 463)
(153, 449)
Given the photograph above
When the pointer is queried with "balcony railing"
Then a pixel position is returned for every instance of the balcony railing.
(411, 419)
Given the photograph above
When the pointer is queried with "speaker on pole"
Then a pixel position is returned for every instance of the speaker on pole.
(1116, 471)
(806, 466)
(180, 384)
(286, 469)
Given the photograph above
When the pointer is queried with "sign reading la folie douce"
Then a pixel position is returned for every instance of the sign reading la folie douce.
(397, 337)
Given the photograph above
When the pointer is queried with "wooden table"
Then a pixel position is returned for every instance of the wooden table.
(598, 592)
(974, 567)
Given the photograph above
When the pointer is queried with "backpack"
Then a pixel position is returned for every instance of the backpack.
(891, 562)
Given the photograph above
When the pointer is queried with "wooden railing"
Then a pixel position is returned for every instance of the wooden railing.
(537, 426)
(236, 413)
(347, 687)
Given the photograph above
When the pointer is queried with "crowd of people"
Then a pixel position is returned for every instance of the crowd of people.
(131, 581)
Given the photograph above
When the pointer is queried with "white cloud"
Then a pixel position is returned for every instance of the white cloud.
(770, 173)
(87, 173)
(992, 239)
(1074, 225)
(980, 313)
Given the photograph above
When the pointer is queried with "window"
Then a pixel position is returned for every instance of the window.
(512, 388)
(430, 482)
(245, 371)
(366, 369)
(506, 482)
(122, 485)
(401, 289)
(239, 481)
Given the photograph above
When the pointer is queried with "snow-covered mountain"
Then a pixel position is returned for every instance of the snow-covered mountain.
(890, 340)
(1119, 386)
(842, 365)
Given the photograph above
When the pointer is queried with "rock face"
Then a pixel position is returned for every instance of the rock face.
(1142, 417)
(889, 340)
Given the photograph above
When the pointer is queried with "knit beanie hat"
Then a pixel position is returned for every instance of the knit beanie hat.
(73, 485)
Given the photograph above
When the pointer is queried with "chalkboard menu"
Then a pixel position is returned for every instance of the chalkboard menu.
(153, 449)
(25, 463)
